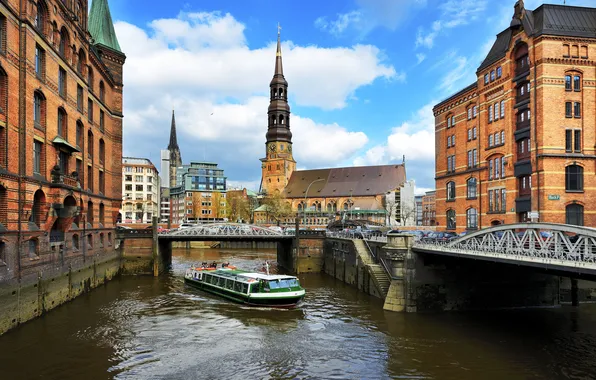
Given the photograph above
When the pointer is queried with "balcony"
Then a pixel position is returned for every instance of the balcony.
(522, 125)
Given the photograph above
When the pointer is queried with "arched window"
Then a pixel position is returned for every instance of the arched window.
(472, 219)
(281, 92)
(574, 214)
(281, 119)
(102, 151)
(3, 206)
(90, 213)
(3, 91)
(574, 178)
(90, 78)
(451, 220)
(82, 62)
(41, 17)
(90, 241)
(300, 206)
(471, 186)
(90, 144)
(332, 206)
(39, 111)
(450, 191)
(33, 247)
(102, 213)
(75, 242)
(102, 91)
(80, 140)
(64, 47)
(39, 201)
(62, 123)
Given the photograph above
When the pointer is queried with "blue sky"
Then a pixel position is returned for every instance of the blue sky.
(363, 76)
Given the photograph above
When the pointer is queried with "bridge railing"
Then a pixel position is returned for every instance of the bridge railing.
(547, 241)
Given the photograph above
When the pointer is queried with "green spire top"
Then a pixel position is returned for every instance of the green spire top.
(101, 26)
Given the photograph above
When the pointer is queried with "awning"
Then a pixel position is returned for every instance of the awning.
(61, 143)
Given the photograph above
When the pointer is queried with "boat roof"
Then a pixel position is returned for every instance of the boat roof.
(239, 274)
(262, 276)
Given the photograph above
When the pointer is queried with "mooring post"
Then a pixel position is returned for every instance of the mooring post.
(155, 248)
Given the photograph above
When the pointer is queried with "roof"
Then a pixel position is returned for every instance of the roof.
(59, 141)
(346, 182)
(457, 94)
(262, 208)
(137, 161)
(101, 26)
(550, 19)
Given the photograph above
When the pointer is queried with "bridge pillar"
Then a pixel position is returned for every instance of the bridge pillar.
(400, 260)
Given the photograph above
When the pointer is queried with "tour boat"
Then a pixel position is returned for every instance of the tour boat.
(250, 288)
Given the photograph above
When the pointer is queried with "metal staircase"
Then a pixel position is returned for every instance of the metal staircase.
(375, 267)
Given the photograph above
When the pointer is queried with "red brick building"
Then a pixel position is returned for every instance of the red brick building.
(519, 143)
(60, 133)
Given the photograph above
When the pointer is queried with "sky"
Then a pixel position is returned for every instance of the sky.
(363, 77)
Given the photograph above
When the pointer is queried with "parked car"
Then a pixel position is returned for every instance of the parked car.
(185, 225)
(439, 236)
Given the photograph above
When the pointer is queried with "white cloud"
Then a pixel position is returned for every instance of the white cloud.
(414, 139)
(453, 13)
(369, 15)
(420, 57)
(191, 64)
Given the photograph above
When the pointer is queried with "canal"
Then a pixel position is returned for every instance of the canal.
(147, 328)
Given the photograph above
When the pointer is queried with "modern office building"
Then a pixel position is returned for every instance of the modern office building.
(140, 191)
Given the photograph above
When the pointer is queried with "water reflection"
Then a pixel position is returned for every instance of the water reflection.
(146, 328)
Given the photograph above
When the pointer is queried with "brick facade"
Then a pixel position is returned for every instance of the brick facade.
(505, 143)
(64, 203)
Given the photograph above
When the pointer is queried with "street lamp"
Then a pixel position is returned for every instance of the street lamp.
(306, 195)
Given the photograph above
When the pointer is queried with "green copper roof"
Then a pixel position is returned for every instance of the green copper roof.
(101, 26)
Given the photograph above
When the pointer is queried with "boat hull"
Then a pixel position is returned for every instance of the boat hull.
(278, 300)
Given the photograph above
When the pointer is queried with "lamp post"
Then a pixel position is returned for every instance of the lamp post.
(306, 195)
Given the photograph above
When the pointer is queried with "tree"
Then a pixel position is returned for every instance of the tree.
(237, 208)
(278, 207)
(390, 205)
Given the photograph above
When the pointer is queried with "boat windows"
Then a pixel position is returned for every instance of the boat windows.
(273, 285)
(221, 282)
(238, 287)
(284, 283)
(293, 282)
(245, 288)
(254, 288)
(230, 284)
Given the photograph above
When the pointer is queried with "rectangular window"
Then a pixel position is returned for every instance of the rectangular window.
(63, 162)
(577, 143)
(576, 83)
(453, 140)
(453, 121)
(577, 109)
(475, 158)
(499, 72)
(490, 200)
(497, 199)
(469, 113)
(496, 111)
(475, 111)
(469, 134)
(568, 110)
(62, 82)
(470, 159)
(502, 109)
(448, 141)
(497, 138)
(80, 168)
(449, 122)
(567, 82)
(90, 110)
(101, 120)
(79, 98)
(139, 187)
(128, 187)
(474, 135)
(503, 200)
(90, 177)
(102, 185)
(568, 140)
(485, 78)
(490, 169)
(490, 141)
(503, 137)
(492, 75)
(37, 147)
(490, 114)
(139, 178)
(39, 61)
(503, 167)
(497, 168)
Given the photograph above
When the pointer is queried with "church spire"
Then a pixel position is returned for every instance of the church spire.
(279, 68)
(279, 109)
(173, 139)
(101, 25)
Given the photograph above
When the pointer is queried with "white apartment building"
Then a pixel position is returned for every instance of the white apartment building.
(140, 190)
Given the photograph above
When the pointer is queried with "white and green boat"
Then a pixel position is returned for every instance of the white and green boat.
(254, 289)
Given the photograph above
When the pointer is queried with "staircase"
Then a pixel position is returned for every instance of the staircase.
(376, 271)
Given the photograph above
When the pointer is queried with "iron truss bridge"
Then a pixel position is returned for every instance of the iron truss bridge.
(560, 247)
(225, 231)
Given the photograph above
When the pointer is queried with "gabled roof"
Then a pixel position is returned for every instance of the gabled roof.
(345, 182)
(101, 26)
(549, 19)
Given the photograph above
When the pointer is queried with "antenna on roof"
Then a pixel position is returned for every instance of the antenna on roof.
(403, 160)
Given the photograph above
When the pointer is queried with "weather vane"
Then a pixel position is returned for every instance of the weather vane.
(278, 29)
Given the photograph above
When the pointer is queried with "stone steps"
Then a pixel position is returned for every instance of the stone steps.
(381, 279)
(381, 276)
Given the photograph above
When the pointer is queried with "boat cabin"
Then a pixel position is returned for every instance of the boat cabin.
(246, 283)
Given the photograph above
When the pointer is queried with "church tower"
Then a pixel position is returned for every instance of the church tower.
(278, 164)
(175, 156)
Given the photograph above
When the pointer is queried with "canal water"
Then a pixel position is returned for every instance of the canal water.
(147, 328)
